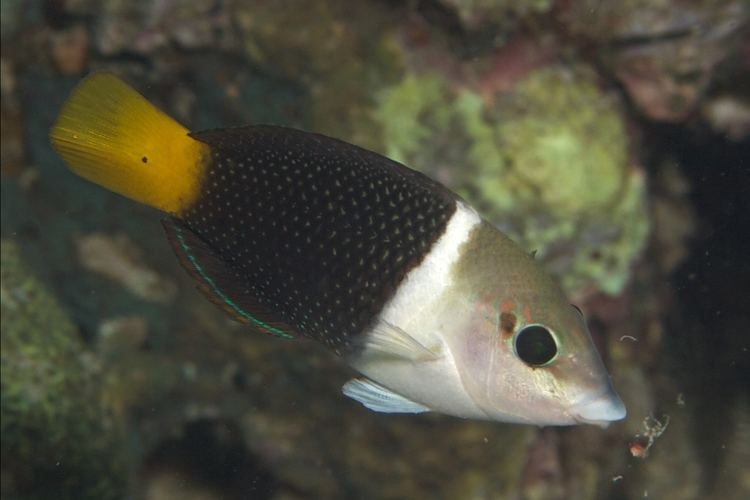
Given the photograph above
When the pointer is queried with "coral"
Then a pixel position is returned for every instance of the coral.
(557, 127)
(58, 439)
(69, 50)
(474, 13)
(547, 162)
(663, 52)
(146, 27)
(119, 259)
(491, 97)
(729, 115)
(343, 51)
(402, 115)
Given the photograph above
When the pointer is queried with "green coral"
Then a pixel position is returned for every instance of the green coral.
(561, 135)
(547, 162)
(58, 440)
(402, 113)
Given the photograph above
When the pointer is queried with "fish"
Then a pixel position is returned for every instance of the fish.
(303, 236)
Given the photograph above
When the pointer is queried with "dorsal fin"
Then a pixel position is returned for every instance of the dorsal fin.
(219, 282)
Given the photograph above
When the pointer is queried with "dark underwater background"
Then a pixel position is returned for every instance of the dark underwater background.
(612, 137)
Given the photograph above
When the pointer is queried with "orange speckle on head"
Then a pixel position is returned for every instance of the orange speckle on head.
(507, 306)
(527, 314)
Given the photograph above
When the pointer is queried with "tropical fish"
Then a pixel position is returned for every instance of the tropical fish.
(300, 235)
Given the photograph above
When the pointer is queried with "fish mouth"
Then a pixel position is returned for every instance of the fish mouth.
(600, 410)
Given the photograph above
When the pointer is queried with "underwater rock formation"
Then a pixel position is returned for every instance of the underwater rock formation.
(59, 439)
(475, 13)
(664, 53)
(341, 63)
(548, 162)
(539, 112)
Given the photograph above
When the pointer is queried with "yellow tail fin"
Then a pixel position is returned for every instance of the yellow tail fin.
(111, 135)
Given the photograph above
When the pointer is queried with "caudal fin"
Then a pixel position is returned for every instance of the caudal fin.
(111, 135)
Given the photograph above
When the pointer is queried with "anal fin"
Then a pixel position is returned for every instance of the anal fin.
(378, 398)
(218, 282)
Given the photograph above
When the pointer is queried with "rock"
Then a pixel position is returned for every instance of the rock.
(663, 52)
(730, 115)
(546, 160)
(69, 50)
(475, 14)
(60, 439)
(118, 259)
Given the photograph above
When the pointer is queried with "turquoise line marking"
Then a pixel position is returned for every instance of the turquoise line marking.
(275, 331)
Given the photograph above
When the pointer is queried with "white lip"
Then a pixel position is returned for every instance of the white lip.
(600, 410)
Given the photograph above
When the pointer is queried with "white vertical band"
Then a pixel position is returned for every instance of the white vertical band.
(425, 282)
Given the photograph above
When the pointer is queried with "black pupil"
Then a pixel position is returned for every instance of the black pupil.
(535, 345)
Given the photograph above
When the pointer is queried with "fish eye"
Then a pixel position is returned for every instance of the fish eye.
(535, 345)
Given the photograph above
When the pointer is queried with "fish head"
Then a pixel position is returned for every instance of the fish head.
(525, 354)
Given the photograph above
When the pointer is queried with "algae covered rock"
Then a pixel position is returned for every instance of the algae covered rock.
(342, 51)
(58, 439)
(475, 13)
(576, 198)
(562, 141)
(547, 162)
(664, 53)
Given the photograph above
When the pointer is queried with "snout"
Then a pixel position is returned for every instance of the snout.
(600, 410)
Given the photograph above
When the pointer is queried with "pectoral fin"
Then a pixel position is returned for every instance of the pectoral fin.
(378, 398)
(391, 340)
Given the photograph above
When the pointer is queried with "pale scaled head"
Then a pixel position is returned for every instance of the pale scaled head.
(524, 352)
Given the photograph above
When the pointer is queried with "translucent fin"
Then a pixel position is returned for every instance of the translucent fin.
(392, 340)
(111, 135)
(219, 282)
(377, 398)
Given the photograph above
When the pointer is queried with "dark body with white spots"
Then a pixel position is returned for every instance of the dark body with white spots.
(298, 234)
(315, 234)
